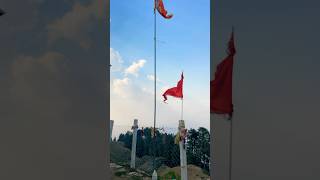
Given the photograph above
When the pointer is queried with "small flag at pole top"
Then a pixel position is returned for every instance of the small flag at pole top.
(160, 7)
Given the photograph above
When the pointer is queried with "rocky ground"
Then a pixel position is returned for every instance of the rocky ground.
(122, 172)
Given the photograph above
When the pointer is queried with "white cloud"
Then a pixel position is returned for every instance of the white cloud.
(115, 60)
(135, 67)
(75, 23)
(120, 87)
(151, 78)
(40, 79)
(147, 90)
(51, 62)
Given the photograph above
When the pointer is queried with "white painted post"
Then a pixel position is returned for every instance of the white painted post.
(134, 144)
(154, 175)
(111, 128)
(183, 153)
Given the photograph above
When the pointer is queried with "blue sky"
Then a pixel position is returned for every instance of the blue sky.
(183, 44)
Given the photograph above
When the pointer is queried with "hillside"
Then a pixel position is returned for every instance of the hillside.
(120, 166)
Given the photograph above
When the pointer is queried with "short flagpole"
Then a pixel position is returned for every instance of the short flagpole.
(182, 105)
(181, 108)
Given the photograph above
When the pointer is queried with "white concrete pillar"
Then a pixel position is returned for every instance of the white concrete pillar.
(134, 143)
(183, 152)
(111, 128)
(220, 145)
(154, 175)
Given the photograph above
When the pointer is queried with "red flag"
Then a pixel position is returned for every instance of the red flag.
(175, 91)
(160, 7)
(221, 86)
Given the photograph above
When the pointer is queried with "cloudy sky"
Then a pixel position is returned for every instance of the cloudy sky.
(53, 89)
(183, 44)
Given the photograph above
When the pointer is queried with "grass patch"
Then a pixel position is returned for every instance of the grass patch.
(169, 176)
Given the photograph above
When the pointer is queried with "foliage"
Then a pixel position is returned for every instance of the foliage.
(198, 146)
(170, 175)
(198, 150)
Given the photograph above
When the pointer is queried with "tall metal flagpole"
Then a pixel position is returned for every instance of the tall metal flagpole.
(155, 84)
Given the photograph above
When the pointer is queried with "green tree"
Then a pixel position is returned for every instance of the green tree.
(126, 139)
(193, 147)
(204, 146)
(198, 146)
